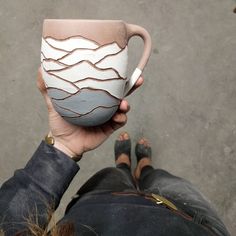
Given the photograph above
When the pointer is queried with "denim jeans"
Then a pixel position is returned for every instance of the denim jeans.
(178, 190)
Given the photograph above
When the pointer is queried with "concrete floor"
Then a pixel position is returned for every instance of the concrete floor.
(186, 107)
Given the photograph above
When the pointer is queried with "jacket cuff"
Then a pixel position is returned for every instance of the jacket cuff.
(51, 169)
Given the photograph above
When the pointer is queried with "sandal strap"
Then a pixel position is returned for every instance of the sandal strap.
(122, 147)
(142, 151)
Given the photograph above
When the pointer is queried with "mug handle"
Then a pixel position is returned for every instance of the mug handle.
(136, 30)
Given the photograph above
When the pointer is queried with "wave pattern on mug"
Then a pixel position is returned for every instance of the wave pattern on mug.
(84, 78)
(86, 100)
(99, 114)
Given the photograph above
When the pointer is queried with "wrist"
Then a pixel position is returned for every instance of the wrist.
(63, 148)
(58, 144)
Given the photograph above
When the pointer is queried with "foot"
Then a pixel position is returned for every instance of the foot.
(143, 153)
(123, 149)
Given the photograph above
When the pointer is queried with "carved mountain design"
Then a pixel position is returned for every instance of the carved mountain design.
(54, 81)
(71, 43)
(65, 111)
(93, 56)
(57, 94)
(85, 69)
(70, 114)
(51, 64)
(115, 87)
(42, 57)
(118, 62)
(85, 80)
(50, 52)
(85, 101)
(98, 116)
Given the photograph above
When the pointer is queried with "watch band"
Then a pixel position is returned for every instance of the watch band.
(51, 141)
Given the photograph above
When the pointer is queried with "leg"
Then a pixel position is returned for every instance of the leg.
(181, 192)
(111, 179)
(172, 187)
(114, 179)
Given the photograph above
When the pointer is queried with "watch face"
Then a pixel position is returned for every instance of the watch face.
(49, 140)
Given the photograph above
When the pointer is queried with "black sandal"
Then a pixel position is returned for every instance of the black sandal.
(122, 147)
(142, 151)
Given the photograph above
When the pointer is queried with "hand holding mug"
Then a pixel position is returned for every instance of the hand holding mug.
(74, 140)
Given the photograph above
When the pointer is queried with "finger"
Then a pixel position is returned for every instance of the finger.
(116, 122)
(139, 82)
(116, 125)
(120, 118)
(124, 106)
(42, 88)
(137, 85)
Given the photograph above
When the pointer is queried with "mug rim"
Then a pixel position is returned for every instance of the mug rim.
(87, 20)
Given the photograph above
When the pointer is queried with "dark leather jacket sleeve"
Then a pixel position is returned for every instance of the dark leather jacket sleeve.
(35, 189)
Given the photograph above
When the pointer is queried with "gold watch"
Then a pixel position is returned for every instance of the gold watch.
(51, 141)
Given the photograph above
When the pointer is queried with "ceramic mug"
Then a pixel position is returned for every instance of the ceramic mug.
(84, 66)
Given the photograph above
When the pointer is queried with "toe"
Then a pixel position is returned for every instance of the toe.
(141, 141)
(126, 136)
(120, 137)
(123, 136)
(144, 141)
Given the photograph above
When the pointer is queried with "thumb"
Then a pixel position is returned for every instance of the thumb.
(43, 89)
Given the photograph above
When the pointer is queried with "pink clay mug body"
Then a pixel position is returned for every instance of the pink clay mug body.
(84, 66)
